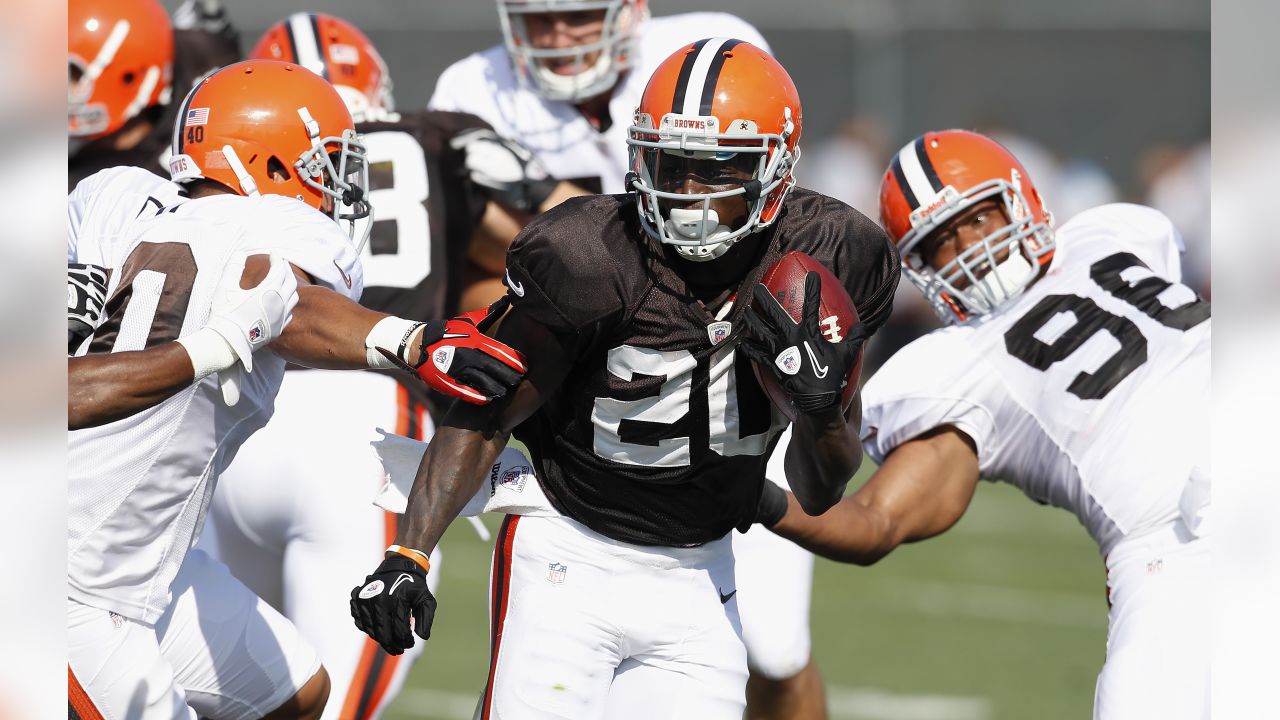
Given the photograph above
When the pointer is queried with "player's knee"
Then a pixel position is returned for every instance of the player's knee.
(306, 704)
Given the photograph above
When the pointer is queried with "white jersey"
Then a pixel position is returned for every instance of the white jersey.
(486, 84)
(1089, 392)
(137, 488)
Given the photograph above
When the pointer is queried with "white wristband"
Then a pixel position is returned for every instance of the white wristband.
(391, 334)
(209, 352)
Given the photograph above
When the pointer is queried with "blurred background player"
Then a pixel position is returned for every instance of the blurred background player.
(293, 516)
(153, 629)
(650, 442)
(126, 62)
(1076, 367)
(565, 82)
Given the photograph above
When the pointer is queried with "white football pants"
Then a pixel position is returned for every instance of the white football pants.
(218, 652)
(587, 627)
(775, 582)
(293, 517)
(1158, 636)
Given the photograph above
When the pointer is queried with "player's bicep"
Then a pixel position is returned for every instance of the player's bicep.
(925, 484)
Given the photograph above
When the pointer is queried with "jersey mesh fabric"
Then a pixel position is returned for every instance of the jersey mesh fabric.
(138, 487)
(675, 455)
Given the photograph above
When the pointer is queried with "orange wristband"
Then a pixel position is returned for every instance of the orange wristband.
(417, 556)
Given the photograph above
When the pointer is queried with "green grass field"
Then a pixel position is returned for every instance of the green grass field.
(1002, 618)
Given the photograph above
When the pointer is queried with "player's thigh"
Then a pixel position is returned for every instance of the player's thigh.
(233, 654)
(555, 646)
(1158, 640)
(641, 691)
(775, 583)
(116, 670)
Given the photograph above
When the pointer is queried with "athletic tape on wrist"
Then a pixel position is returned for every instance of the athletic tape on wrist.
(417, 556)
(391, 334)
(209, 352)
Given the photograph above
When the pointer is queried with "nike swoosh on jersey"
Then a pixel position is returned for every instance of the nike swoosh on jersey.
(819, 370)
(516, 287)
(396, 584)
(726, 598)
(345, 277)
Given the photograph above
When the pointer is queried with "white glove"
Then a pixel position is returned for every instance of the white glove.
(505, 167)
(242, 321)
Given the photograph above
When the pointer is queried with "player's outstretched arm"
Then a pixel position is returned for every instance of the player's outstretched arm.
(106, 387)
(453, 357)
(920, 491)
(461, 452)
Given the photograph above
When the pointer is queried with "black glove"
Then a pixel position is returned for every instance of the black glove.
(383, 604)
(506, 169)
(770, 509)
(811, 370)
(86, 294)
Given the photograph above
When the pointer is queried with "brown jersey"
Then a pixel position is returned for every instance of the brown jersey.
(196, 53)
(662, 434)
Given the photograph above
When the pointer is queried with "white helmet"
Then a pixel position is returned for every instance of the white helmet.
(621, 19)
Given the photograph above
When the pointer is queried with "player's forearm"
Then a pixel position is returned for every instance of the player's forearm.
(823, 456)
(450, 474)
(104, 388)
(850, 532)
(329, 331)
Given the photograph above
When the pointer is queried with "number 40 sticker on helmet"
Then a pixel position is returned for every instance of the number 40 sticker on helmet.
(274, 128)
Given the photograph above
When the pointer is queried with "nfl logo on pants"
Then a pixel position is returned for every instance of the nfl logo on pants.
(555, 573)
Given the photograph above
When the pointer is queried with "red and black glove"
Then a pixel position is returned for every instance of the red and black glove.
(460, 361)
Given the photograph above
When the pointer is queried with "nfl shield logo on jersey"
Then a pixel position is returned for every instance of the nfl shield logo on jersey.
(555, 573)
(256, 332)
(718, 331)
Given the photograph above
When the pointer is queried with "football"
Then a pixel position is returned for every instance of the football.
(837, 313)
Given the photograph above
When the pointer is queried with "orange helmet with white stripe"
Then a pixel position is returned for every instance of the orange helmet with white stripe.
(120, 62)
(937, 176)
(337, 51)
(274, 128)
(719, 99)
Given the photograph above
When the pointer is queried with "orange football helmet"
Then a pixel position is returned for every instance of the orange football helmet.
(272, 127)
(719, 99)
(937, 176)
(616, 46)
(337, 51)
(120, 62)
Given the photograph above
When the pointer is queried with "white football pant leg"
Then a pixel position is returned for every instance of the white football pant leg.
(572, 610)
(1158, 639)
(294, 514)
(117, 664)
(233, 654)
(775, 584)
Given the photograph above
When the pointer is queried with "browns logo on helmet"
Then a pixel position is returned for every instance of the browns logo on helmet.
(716, 99)
(939, 175)
(274, 128)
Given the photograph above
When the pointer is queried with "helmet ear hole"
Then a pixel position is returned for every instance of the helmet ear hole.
(277, 170)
